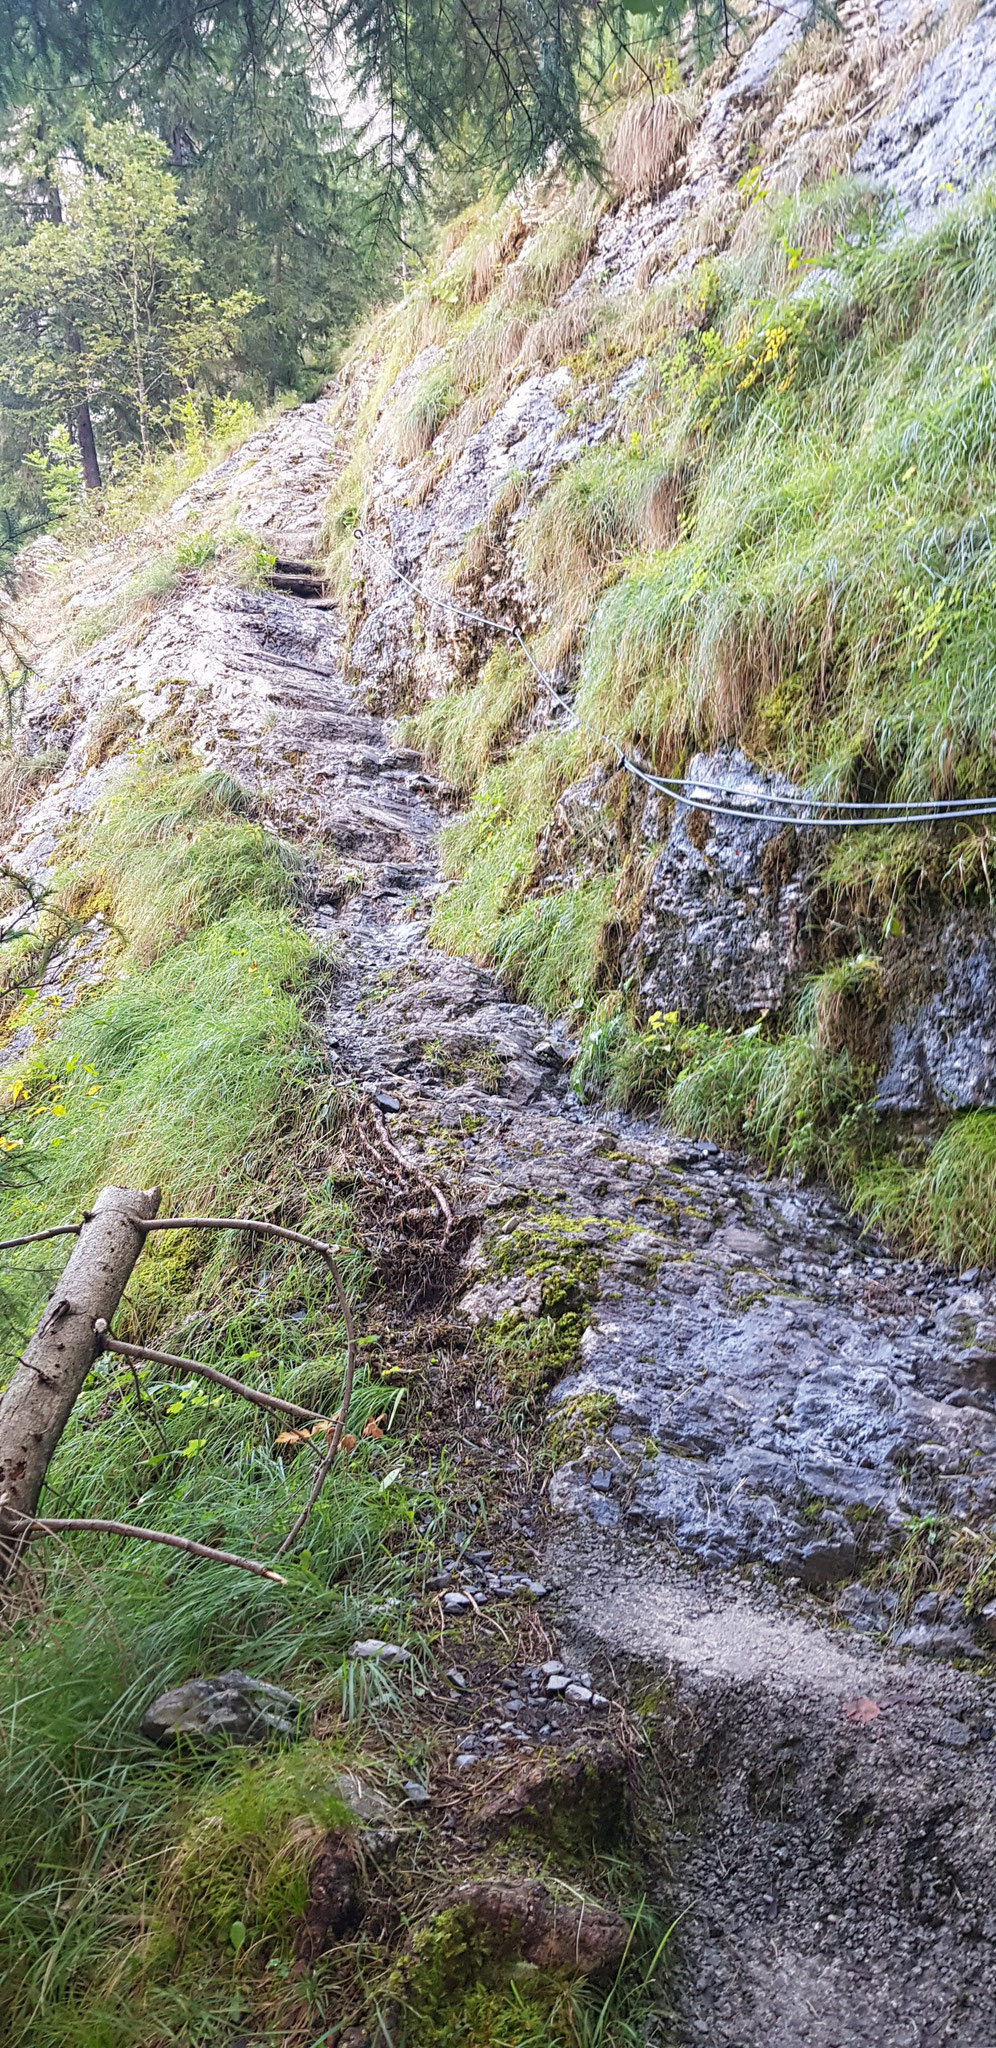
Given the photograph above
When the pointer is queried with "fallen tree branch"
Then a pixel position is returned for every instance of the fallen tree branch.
(57, 1525)
(207, 1372)
(316, 1244)
(10, 1244)
(51, 1374)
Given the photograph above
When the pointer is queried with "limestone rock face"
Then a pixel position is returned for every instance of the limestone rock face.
(939, 142)
(942, 1036)
(723, 932)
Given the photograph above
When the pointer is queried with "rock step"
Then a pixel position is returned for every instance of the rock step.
(297, 578)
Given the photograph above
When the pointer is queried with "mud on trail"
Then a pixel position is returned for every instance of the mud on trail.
(765, 1479)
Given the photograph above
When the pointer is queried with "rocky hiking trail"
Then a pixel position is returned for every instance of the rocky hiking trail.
(755, 1410)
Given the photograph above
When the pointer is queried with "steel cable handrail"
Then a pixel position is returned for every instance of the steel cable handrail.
(791, 808)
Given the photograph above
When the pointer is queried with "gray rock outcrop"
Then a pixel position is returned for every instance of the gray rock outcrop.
(233, 1707)
(723, 929)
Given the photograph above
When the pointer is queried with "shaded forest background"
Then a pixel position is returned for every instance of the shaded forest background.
(195, 207)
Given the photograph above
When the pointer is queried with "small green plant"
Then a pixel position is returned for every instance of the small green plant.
(422, 415)
(58, 471)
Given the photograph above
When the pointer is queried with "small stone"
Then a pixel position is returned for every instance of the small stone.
(599, 1700)
(456, 1603)
(580, 1694)
(987, 1621)
(381, 1653)
(937, 1641)
(416, 1794)
(557, 1682)
(551, 1668)
(388, 1102)
(458, 1679)
(465, 1759)
(601, 1481)
(954, 1734)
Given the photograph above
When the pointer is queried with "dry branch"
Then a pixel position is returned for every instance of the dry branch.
(57, 1525)
(10, 1244)
(207, 1372)
(325, 1251)
(41, 1396)
(37, 1405)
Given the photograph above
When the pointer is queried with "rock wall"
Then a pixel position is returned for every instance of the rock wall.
(903, 96)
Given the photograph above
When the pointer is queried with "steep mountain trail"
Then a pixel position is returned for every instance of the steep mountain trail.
(774, 1438)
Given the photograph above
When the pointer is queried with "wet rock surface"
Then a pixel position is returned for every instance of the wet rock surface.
(788, 1398)
(724, 924)
(941, 1050)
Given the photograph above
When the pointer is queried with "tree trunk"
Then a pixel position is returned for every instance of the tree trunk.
(82, 424)
(41, 1396)
(83, 432)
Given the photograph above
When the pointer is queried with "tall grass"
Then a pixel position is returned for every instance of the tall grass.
(462, 731)
(192, 1066)
(831, 603)
(945, 1204)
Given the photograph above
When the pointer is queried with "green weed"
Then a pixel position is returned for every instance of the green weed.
(945, 1206)
(462, 731)
(422, 415)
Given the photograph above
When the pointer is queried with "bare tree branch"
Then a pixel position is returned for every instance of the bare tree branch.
(55, 1525)
(207, 1372)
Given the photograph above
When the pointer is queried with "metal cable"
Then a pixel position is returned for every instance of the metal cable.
(792, 809)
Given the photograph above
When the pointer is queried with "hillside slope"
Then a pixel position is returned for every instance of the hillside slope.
(721, 449)
(645, 1629)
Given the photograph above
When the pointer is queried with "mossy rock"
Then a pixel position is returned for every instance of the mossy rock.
(575, 1805)
(493, 1969)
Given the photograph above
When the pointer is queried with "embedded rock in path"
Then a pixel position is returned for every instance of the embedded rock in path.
(233, 1707)
(523, 1921)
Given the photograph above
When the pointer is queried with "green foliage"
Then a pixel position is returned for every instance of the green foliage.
(181, 1071)
(58, 471)
(101, 305)
(123, 1873)
(946, 1206)
(531, 1354)
(551, 947)
(800, 1107)
(503, 91)
(830, 602)
(422, 415)
(492, 850)
(462, 731)
(458, 1989)
(244, 1859)
(603, 507)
